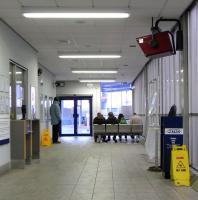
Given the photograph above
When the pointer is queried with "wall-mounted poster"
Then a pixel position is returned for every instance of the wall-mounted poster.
(41, 107)
(50, 101)
(45, 107)
(4, 129)
(4, 84)
(33, 102)
(4, 110)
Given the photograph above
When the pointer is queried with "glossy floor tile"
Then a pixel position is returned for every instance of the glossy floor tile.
(79, 169)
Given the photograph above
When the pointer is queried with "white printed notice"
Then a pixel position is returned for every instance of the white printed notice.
(4, 108)
(173, 131)
(4, 129)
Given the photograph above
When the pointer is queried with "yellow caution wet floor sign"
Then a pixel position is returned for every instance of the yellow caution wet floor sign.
(179, 170)
(45, 138)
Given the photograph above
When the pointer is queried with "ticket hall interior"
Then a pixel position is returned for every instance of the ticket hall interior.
(98, 99)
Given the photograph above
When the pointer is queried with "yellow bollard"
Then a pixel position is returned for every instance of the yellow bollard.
(45, 138)
(179, 169)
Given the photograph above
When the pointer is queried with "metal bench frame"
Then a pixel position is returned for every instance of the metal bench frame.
(117, 129)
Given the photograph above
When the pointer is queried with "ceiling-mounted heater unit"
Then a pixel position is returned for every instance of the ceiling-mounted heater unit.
(160, 44)
(157, 45)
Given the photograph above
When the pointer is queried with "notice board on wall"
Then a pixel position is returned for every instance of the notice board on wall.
(4, 109)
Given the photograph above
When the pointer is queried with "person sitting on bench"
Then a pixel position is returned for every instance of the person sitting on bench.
(135, 120)
(99, 119)
(111, 120)
(122, 120)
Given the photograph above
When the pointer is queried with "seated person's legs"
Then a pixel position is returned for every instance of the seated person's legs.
(137, 138)
(104, 138)
(132, 137)
(114, 138)
(95, 138)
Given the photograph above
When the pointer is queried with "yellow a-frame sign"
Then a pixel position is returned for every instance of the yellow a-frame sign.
(179, 170)
(45, 138)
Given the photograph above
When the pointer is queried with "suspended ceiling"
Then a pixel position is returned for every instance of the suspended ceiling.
(50, 36)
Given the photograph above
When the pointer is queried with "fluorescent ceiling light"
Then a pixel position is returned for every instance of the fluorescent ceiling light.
(16, 72)
(58, 13)
(33, 12)
(94, 71)
(97, 80)
(89, 56)
(77, 15)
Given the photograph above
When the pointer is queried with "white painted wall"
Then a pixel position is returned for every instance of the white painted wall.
(46, 88)
(13, 47)
(72, 87)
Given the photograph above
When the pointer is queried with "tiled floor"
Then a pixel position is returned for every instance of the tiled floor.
(78, 169)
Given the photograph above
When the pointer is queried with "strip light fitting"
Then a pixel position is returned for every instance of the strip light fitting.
(79, 13)
(89, 56)
(64, 13)
(94, 71)
(97, 80)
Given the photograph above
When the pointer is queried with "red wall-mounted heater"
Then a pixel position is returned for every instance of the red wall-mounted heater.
(157, 45)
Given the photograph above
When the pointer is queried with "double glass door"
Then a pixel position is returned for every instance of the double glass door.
(76, 115)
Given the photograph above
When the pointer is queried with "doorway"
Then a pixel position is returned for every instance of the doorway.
(18, 90)
(76, 115)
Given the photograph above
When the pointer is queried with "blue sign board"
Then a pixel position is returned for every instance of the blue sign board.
(113, 87)
(171, 134)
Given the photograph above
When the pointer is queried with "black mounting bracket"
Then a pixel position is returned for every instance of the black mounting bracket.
(179, 33)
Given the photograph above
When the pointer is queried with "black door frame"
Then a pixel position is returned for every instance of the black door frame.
(75, 115)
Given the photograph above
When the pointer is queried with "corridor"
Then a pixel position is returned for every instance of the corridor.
(79, 169)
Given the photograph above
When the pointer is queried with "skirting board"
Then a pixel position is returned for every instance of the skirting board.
(4, 169)
(194, 181)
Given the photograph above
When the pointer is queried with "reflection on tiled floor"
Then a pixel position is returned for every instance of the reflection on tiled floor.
(78, 169)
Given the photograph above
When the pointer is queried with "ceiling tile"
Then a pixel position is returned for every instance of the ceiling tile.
(171, 12)
(181, 4)
(63, 24)
(111, 3)
(11, 4)
(146, 13)
(21, 23)
(148, 4)
(10, 13)
(75, 3)
(172, 8)
(35, 3)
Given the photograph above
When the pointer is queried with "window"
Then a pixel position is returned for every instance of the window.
(116, 98)
(192, 84)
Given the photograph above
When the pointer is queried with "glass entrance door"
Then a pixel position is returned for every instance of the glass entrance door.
(83, 120)
(76, 115)
(67, 116)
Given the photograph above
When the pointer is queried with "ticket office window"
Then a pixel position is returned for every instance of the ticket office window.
(18, 93)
